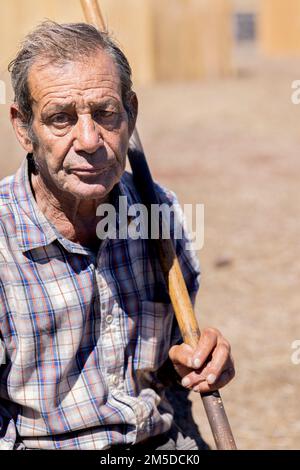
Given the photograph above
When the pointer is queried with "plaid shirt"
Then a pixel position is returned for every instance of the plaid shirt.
(84, 333)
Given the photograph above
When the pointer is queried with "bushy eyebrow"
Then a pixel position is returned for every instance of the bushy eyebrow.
(53, 108)
(105, 102)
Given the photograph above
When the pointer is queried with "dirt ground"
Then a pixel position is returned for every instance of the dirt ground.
(234, 146)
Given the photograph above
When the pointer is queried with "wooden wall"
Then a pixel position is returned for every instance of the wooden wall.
(163, 39)
(193, 39)
(279, 27)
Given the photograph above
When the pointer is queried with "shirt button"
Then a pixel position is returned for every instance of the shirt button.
(142, 426)
(109, 319)
(115, 380)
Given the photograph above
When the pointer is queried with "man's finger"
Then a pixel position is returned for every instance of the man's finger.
(219, 362)
(225, 377)
(181, 354)
(193, 378)
(206, 345)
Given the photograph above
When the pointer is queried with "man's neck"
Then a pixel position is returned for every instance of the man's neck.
(75, 219)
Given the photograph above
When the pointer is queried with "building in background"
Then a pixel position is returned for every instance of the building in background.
(245, 18)
(172, 39)
(280, 27)
(164, 40)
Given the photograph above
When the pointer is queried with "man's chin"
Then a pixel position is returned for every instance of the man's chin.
(92, 194)
(85, 188)
(90, 191)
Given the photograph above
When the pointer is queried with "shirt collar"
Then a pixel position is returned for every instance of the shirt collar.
(32, 227)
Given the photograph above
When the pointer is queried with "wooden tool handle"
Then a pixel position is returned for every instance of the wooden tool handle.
(92, 14)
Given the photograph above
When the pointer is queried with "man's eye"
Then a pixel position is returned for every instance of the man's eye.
(61, 118)
(103, 114)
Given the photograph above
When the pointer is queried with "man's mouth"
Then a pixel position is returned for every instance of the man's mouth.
(86, 171)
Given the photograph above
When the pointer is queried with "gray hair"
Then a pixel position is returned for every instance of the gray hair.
(60, 43)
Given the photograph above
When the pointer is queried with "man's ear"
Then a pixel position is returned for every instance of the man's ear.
(21, 131)
(132, 112)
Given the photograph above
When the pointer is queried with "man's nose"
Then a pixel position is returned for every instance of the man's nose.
(87, 135)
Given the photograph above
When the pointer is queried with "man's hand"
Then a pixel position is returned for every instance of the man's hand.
(208, 367)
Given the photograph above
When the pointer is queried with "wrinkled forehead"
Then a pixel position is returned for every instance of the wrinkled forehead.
(84, 74)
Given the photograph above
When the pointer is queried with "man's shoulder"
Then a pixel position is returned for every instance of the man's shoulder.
(179, 231)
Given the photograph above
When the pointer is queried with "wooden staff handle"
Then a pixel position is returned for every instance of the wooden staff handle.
(175, 281)
(92, 14)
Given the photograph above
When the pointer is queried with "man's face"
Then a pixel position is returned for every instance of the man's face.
(81, 126)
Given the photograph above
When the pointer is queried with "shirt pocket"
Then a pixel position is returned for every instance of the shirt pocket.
(157, 332)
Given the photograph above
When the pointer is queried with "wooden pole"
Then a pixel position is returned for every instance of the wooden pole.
(92, 14)
(174, 278)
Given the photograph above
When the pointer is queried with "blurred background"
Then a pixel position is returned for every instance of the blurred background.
(214, 81)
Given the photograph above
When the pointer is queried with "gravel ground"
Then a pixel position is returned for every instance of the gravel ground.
(233, 145)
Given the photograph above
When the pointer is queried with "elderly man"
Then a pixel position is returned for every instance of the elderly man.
(86, 324)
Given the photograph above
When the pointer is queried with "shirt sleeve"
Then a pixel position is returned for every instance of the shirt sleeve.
(183, 242)
(187, 258)
(190, 267)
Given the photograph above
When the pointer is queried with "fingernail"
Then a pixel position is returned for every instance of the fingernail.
(211, 378)
(185, 382)
(197, 363)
